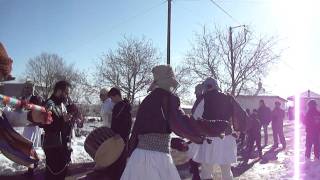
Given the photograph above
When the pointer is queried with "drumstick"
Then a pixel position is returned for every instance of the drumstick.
(17, 103)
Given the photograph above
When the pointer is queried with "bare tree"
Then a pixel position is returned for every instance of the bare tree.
(210, 55)
(202, 59)
(182, 74)
(84, 91)
(128, 67)
(46, 69)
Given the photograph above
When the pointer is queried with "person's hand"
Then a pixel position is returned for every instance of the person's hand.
(179, 144)
(236, 134)
(41, 117)
(68, 117)
(21, 105)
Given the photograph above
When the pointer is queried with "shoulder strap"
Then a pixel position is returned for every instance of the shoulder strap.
(122, 108)
(165, 109)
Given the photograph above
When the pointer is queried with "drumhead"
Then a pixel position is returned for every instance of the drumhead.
(109, 151)
(179, 158)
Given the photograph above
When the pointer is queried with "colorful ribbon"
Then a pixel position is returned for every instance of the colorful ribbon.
(6, 100)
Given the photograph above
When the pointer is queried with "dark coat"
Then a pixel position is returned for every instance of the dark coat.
(264, 114)
(278, 115)
(121, 119)
(312, 120)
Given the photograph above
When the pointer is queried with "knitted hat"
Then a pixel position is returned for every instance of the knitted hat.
(5, 64)
(163, 77)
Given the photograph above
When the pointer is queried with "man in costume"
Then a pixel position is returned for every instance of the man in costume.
(57, 137)
(158, 116)
(222, 150)
(120, 124)
(106, 107)
(12, 144)
(193, 147)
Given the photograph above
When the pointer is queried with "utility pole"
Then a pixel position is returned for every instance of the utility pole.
(233, 64)
(169, 32)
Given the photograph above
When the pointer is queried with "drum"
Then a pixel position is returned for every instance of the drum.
(14, 146)
(104, 146)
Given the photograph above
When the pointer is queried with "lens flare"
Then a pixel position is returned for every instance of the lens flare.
(297, 138)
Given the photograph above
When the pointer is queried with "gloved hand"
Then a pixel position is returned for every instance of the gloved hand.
(179, 144)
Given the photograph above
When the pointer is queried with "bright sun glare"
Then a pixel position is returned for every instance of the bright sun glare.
(297, 20)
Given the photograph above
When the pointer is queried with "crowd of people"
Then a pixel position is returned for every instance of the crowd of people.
(212, 129)
(147, 143)
(259, 119)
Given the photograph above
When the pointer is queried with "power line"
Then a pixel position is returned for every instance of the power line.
(229, 15)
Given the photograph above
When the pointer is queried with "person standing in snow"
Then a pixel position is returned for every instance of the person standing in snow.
(312, 123)
(31, 131)
(106, 108)
(57, 137)
(278, 116)
(254, 134)
(121, 123)
(264, 114)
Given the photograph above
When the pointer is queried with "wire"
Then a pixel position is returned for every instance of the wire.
(229, 15)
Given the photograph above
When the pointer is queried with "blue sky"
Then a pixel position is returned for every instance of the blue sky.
(81, 30)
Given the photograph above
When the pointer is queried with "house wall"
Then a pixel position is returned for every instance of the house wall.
(252, 102)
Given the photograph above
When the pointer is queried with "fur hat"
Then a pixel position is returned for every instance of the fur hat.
(163, 77)
(210, 83)
(5, 64)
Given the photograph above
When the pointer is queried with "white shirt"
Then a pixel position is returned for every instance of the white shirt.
(199, 110)
(106, 112)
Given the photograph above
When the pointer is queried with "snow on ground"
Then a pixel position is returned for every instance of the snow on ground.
(79, 155)
(277, 167)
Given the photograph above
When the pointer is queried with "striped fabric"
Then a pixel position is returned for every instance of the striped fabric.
(14, 146)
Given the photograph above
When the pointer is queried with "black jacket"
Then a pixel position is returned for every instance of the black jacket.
(264, 114)
(121, 119)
